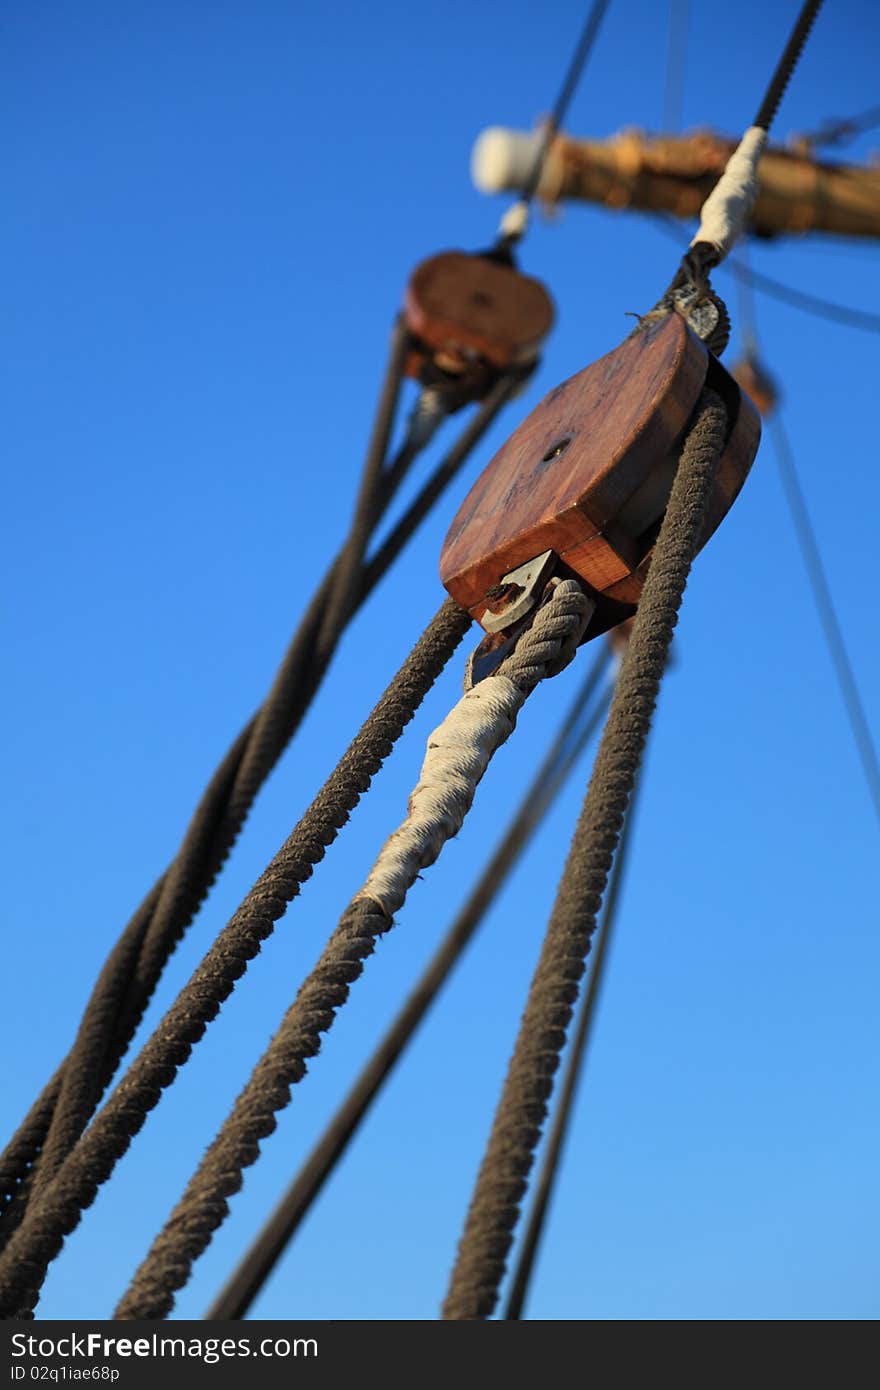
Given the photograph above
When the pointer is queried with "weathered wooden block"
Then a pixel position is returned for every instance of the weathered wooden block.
(588, 473)
(464, 306)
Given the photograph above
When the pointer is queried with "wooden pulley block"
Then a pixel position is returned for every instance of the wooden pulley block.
(468, 311)
(586, 478)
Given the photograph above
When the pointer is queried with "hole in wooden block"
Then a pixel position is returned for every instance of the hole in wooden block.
(556, 449)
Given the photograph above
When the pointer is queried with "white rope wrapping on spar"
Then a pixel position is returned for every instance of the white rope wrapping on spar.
(460, 749)
(725, 212)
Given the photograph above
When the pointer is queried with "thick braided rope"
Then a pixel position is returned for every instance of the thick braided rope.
(132, 970)
(460, 749)
(138, 959)
(502, 1179)
(130, 974)
(41, 1234)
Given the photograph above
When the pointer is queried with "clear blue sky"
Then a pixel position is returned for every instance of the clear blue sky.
(211, 212)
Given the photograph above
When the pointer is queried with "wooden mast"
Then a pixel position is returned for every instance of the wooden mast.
(675, 174)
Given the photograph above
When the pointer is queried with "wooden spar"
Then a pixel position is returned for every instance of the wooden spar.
(675, 174)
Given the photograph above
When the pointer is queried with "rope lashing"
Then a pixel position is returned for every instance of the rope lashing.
(461, 747)
(40, 1236)
(726, 211)
(515, 221)
(458, 754)
(502, 1179)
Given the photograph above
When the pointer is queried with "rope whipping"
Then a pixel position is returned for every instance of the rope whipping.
(57, 1212)
(247, 1280)
(534, 1229)
(502, 1179)
(458, 753)
(133, 969)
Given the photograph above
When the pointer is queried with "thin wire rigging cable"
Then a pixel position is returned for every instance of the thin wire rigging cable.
(515, 220)
(801, 299)
(826, 608)
(811, 555)
(566, 92)
(676, 63)
(839, 132)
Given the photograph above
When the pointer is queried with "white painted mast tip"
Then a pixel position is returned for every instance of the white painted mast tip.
(503, 159)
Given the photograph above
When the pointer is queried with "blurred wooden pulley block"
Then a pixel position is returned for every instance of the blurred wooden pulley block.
(471, 314)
